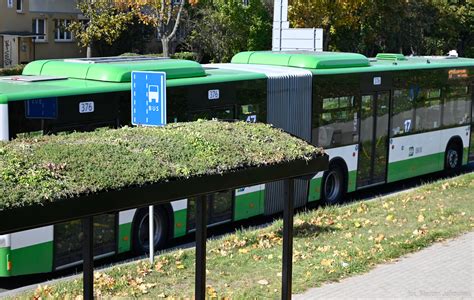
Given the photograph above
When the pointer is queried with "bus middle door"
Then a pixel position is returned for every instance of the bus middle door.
(373, 139)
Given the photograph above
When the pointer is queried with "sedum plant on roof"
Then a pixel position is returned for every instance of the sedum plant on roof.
(37, 170)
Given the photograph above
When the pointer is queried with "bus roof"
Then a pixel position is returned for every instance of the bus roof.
(323, 63)
(58, 78)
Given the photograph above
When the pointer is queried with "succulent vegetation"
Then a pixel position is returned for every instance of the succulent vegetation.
(36, 170)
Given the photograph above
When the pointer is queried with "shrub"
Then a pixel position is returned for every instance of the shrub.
(17, 70)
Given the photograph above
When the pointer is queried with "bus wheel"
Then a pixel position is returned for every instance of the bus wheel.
(453, 157)
(333, 184)
(141, 244)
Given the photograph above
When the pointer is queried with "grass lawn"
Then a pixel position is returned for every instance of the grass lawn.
(330, 244)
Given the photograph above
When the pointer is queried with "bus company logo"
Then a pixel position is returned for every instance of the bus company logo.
(457, 73)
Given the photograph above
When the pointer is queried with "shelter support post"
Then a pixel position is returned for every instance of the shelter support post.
(88, 258)
(288, 211)
(4, 128)
(201, 236)
(151, 239)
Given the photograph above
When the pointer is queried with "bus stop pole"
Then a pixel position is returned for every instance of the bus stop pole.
(287, 239)
(88, 258)
(151, 234)
(201, 235)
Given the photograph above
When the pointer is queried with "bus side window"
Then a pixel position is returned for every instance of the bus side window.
(428, 110)
(336, 122)
(249, 113)
(403, 108)
(456, 106)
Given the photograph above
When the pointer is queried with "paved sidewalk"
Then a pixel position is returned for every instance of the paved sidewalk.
(442, 271)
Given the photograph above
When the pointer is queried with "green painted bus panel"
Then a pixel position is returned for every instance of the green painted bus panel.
(327, 63)
(465, 156)
(310, 60)
(314, 193)
(415, 166)
(122, 72)
(248, 205)
(390, 56)
(34, 67)
(180, 219)
(352, 181)
(4, 255)
(125, 237)
(33, 259)
(16, 91)
(61, 69)
(115, 72)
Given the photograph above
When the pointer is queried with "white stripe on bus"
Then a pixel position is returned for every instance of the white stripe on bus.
(179, 204)
(346, 153)
(423, 144)
(249, 189)
(31, 237)
(126, 216)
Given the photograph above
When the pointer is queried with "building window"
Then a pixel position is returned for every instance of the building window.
(61, 33)
(39, 27)
(19, 5)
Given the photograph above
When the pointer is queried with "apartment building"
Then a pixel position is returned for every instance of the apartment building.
(34, 29)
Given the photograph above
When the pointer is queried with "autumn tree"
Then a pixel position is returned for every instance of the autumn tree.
(104, 21)
(418, 27)
(335, 17)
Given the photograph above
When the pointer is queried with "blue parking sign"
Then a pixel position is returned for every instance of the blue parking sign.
(148, 98)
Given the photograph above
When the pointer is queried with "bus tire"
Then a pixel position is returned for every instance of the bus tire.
(333, 184)
(140, 233)
(453, 157)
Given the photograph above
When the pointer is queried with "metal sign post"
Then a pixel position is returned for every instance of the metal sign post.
(149, 109)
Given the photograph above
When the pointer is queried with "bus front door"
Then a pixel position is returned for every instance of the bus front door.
(373, 139)
(471, 149)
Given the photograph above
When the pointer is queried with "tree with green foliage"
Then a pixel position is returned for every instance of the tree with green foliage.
(223, 28)
(105, 21)
(164, 15)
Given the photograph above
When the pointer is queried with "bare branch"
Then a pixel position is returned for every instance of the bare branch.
(178, 19)
(161, 14)
(170, 11)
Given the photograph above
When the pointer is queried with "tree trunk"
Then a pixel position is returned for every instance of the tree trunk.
(165, 43)
(89, 51)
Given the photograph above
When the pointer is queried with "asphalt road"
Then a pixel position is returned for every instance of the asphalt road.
(10, 286)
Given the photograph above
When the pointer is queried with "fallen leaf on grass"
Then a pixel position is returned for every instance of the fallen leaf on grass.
(263, 282)
(327, 262)
(421, 218)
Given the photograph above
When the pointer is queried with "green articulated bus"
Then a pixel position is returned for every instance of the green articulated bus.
(380, 120)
